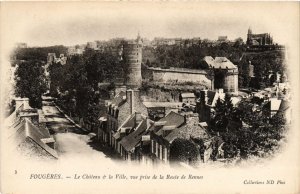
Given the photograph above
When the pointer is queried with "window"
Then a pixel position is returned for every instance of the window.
(117, 113)
(156, 150)
(152, 146)
(158, 154)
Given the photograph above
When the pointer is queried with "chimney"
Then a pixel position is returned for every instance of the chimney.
(119, 89)
(220, 90)
(138, 117)
(132, 97)
(31, 115)
(130, 100)
(145, 138)
(49, 141)
(203, 96)
(24, 101)
(42, 120)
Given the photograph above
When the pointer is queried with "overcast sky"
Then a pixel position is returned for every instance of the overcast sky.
(45, 24)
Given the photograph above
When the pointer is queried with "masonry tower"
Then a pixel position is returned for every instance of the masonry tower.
(132, 55)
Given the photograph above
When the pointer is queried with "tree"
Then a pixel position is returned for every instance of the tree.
(183, 150)
(202, 147)
(258, 135)
(56, 75)
(238, 42)
(230, 144)
(31, 82)
(223, 111)
(148, 64)
(262, 133)
(79, 89)
(93, 115)
(38, 53)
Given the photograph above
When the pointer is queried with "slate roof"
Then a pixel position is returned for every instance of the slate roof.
(28, 138)
(219, 63)
(129, 122)
(171, 119)
(284, 105)
(11, 119)
(191, 129)
(124, 106)
(209, 60)
(119, 98)
(131, 140)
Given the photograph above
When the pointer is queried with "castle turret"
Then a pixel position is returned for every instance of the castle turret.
(132, 53)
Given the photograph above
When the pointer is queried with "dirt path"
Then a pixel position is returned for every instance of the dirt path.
(72, 143)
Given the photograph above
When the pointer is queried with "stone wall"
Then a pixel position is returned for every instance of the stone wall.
(157, 95)
(181, 76)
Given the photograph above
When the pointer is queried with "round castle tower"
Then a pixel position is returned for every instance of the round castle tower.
(132, 52)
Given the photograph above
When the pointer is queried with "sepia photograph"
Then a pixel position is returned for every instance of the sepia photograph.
(149, 97)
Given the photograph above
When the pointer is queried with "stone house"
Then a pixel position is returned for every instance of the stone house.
(124, 115)
(158, 110)
(277, 106)
(135, 146)
(171, 127)
(27, 132)
(188, 98)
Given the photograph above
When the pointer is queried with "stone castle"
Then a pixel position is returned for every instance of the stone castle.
(220, 74)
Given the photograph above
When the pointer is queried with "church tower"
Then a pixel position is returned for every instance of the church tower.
(249, 36)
